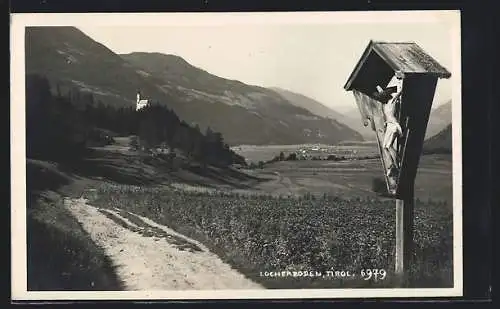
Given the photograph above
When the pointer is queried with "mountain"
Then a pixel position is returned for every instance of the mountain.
(439, 119)
(268, 115)
(441, 142)
(310, 104)
(71, 59)
(244, 114)
(352, 120)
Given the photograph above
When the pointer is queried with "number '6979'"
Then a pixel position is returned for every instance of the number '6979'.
(374, 274)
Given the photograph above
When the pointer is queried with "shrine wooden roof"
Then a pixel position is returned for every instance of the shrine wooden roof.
(406, 57)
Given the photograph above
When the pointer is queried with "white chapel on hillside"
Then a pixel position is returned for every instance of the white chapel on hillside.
(141, 103)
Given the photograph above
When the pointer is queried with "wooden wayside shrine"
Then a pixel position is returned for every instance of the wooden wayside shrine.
(419, 74)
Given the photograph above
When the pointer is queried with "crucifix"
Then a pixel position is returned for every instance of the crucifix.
(394, 86)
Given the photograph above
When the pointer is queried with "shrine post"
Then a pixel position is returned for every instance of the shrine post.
(380, 65)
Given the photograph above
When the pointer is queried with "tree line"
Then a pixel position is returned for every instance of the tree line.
(60, 125)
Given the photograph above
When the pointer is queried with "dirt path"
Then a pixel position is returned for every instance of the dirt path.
(150, 256)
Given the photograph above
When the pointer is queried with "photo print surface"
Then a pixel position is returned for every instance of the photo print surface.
(236, 155)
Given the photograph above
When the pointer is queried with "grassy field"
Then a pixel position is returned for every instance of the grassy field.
(288, 216)
(258, 233)
(307, 215)
(352, 179)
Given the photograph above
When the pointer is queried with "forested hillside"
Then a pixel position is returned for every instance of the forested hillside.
(63, 125)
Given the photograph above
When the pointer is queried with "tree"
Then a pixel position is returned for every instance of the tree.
(179, 139)
(58, 90)
(55, 128)
(292, 157)
(38, 104)
(196, 144)
(148, 134)
(56, 122)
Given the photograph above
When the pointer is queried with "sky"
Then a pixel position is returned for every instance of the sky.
(314, 59)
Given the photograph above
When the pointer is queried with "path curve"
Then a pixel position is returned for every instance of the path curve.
(150, 256)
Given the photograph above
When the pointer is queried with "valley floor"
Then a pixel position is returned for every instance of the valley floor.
(216, 243)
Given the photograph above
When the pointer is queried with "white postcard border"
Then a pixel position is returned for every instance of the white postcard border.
(18, 151)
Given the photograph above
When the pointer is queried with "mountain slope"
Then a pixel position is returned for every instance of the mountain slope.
(439, 119)
(441, 142)
(274, 110)
(310, 104)
(71, 59)
(243, 114)
(321, 110)
(352, 118)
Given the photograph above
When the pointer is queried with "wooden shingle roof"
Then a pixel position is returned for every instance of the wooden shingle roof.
(406, 57)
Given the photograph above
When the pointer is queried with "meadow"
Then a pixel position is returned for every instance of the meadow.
(354, 178)
(307, 215)
(311, 215)
(259, 233)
